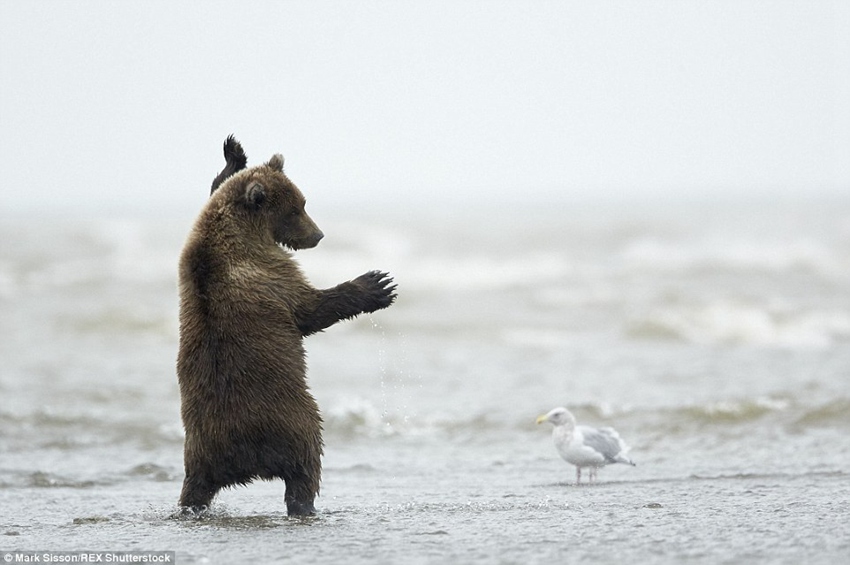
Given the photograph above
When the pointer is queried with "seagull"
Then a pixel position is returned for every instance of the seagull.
(584, 446)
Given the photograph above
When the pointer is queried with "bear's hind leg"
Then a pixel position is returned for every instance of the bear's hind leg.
(299, 496)
(299, 501)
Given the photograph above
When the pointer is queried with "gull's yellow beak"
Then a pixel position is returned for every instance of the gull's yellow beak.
(541, 419)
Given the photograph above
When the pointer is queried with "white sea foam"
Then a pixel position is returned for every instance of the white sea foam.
(729, 323)
(357, 416)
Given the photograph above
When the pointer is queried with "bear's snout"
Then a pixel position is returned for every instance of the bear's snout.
(304, 234)
(315, 238)
(310, 234)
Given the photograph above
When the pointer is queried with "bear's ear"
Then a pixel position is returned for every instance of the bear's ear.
(255, 195)
(276, 162)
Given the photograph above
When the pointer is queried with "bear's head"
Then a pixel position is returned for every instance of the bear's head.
(277, 203)
(265, 199)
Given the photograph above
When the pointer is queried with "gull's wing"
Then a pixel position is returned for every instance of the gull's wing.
(607, 442)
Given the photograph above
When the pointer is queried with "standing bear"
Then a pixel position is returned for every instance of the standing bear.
(245, 307)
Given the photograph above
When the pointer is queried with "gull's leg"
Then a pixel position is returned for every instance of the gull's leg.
(578, 475)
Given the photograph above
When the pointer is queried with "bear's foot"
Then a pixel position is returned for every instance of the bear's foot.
(190, 513)
(297, 508)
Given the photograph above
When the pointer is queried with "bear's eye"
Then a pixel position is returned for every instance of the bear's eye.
(294, 212)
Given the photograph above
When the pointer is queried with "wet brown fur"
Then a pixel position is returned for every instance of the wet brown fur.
(245, 306)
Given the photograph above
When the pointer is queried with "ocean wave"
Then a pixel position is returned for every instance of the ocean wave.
(833, 413)
(731, 411)
(154, 472)
(55, 430)
(751, 476)
(678, 419)
(358, 418)
(362, 419)
(94, 253)
(124, 319)
(729, 323)
(41, 479)
(781, 411)
(720, 253)
(38, 478)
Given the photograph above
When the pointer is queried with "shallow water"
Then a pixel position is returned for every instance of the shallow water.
(716, 339)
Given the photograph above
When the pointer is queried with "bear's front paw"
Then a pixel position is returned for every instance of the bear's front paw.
(378, 290)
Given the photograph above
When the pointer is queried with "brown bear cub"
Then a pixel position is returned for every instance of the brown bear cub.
(244, 308)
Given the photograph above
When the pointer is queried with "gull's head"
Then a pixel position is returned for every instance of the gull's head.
(557, 417)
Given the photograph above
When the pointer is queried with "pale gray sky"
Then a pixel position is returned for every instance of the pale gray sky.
(124, 105)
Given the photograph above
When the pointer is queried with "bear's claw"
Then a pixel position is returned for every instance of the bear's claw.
(379, 290)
